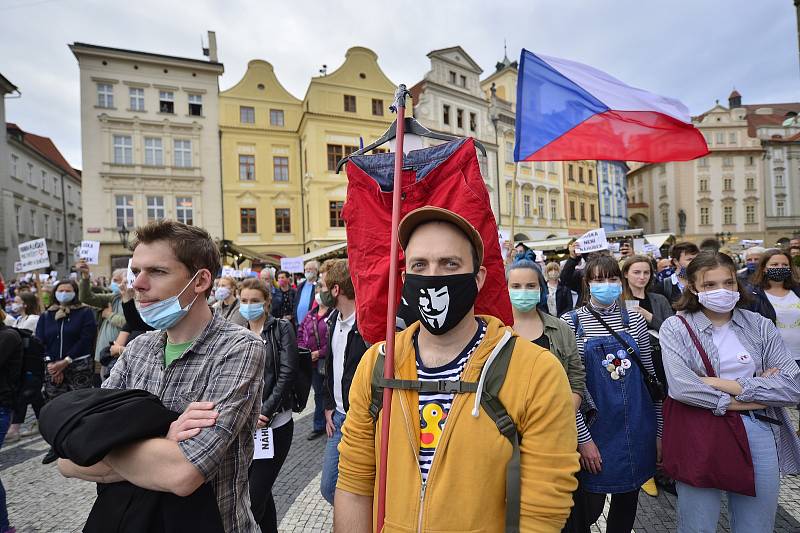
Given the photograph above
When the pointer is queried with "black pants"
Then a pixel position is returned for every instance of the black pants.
(263, 473)
(589, 506)
(29, 393)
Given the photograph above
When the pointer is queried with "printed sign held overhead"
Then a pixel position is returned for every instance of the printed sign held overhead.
(292, 264)
(90, 252)
(593, 241)
(33, 255)
(129, 275)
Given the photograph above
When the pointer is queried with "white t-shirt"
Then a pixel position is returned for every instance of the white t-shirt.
(29, 322)
(734, 360)
(787, 309)
(338, 346)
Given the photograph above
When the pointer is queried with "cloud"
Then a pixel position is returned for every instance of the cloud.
(694, 51)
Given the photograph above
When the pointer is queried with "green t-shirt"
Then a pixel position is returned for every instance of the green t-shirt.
(174, 351)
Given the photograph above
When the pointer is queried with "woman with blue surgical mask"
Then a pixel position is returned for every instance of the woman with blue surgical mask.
(619, 424)
(227, 301)
(528, 291)
(280, 369)
(67, 330)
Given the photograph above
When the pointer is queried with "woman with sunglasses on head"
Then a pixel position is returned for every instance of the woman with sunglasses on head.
(725, 358)
(619, 424)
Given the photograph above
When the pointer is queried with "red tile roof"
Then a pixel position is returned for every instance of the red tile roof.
(45, 147)
(777, 117)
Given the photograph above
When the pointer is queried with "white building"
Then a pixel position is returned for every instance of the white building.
(149, 132)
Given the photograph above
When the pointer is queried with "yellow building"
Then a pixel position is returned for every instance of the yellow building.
(281, 195)
(340, 108)
(580, 196)
(261, 163)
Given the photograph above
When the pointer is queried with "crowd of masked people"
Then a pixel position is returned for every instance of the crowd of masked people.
(610, 352)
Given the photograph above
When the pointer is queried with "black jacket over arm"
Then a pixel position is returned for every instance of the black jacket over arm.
(10, 364)
(280, 366)
(571, 277)
(354, 350)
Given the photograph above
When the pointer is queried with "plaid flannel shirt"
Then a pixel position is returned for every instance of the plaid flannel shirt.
(224, 365)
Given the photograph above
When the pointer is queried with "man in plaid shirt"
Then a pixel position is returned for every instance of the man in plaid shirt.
(197, 364)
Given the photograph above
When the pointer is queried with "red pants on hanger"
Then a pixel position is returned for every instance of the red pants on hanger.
(446, 176)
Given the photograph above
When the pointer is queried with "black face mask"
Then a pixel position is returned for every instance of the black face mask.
(440, 302)
(779, 273)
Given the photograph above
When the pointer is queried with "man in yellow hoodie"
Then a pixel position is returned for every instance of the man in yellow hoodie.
(447, 458)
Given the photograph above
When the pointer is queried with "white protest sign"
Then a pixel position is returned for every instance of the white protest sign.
(593, 241)
(505, 242)
(44, 277)
(33, 255)
(17, 267)
(129, 275)
(89, 251)
(638, 246)
(292, 264)
(613, 247)
(263, 447)
(54, 274)
(748, 243)
(227, 272)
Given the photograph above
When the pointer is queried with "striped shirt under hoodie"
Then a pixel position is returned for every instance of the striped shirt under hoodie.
(435, 406)
(637, 328)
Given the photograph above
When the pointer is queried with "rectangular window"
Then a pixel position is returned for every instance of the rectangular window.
(453, 77)
(751, 183)
(665, 220)
(779, 180)
(727, 214)
(247, 167)
(459, 118)
(708, 138)
(247, 115)
(196, 105)
(166, 102)
(580, 175)
(750, 214)
(591, 177)
(34, 224)
(463, 80)
(703, 185)
(540, 207)
(14, 161)
(276, 117)
(538, 165)
(18, 214)
(583, 211)
(570, 175)
(56, 187)
(732, 138)
(473, 122)
(247, 220)
(123, 149)
(153, 151)
(45, 183)
(283, 223)
(155, 208)
(751, 161)
(509, 152)
(30, 175)
(280, 166)
(727, 184)
(335, 219)
(336, 152)
(551, 167)
(592, 216)
(780, 208)
(57, 230)
(124, 210)
(446, 114)
(702, 163)
(137, 98)
(184, 210)
(720, 137)
(377, 107)
(663, 189)
(727, 161)
(572, 209)
(349, 103)
(553, 209)
(183, 153)
(46, 220)
(526, 205)
(105, 95)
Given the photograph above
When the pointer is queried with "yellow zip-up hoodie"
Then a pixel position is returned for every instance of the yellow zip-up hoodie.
(465, 489)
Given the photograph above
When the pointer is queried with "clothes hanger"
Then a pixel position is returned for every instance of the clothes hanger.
(413, 128)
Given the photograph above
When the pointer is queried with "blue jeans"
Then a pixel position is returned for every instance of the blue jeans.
(698, 509)
(5, 421)
(318, 383)
(330, 463)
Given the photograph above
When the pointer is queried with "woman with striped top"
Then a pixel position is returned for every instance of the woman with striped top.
(756, 376)
(619, 425)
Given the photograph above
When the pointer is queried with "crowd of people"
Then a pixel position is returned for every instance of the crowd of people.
(606, 354)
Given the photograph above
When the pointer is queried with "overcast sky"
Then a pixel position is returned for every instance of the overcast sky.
(693, 50)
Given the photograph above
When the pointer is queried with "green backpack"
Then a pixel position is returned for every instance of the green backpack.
(494, 377)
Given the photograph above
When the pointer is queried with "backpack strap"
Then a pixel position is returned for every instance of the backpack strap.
(573, 315)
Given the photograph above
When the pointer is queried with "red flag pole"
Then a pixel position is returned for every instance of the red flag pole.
(391, 308)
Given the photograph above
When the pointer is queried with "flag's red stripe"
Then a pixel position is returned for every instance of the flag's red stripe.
(626, 136)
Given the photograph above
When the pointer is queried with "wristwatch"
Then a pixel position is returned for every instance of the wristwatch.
(68, 359)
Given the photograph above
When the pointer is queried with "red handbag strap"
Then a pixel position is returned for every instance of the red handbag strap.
(703, 354)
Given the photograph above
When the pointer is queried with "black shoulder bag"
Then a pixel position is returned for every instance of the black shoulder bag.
(654, 387)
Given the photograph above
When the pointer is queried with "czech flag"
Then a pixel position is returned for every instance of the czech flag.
(569, 111)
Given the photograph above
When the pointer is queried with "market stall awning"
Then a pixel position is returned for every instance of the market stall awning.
(619, 234)
(550, 244)
(324, 252)
(658, 238)
(227, 247)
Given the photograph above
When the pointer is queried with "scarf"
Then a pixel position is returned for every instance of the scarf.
(62, 311)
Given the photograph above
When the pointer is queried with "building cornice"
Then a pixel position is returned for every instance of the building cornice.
(93, 50)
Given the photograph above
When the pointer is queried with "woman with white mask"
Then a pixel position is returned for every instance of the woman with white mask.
(730, 376)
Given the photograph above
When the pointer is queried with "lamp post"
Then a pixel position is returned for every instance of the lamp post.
(123, 236)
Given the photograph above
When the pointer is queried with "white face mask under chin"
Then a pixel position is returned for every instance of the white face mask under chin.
(719, 300)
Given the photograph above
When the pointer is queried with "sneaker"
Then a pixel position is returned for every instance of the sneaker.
(34, 430)
(12, 436)
(317, 433)
(650, 488)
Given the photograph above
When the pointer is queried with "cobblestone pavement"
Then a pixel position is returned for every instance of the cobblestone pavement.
(40, 500)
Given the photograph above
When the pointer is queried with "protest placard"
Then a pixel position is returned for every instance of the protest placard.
(129, 275)
(17, 267)
(593, 241)
(89, 251)
(638, 246)
(33, 255)
(263, 448)
(292, 264)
